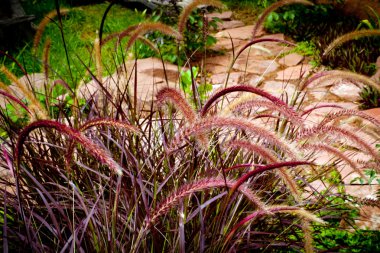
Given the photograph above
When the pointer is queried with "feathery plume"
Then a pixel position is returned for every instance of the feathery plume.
(332, 75)
(321, 106)
(201, 185)
(271, 8)
(204, 125)
(16, 100)
(118, 35)
(347, 37)
(352, 113)
(35, 105)
(167, 94)
(291, 115)
(98, 122)
(184, 16)
(98, 152)
(45, 58)
(308, 238)
(262, 169)
(318, 130)
(42, 25)
(274, 209)
(244, 88)
(267, 154)
(335, 152)
(98, 60)
(147, 27)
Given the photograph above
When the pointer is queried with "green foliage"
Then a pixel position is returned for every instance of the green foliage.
(369, 98)
(342, 240)
(303, 23)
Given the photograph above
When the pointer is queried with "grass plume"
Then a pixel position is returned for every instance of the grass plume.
(349, 36)
(167, 94)
(102, 155)
(201, 185)
(190, 7)
(152, 26)
(42, 25)
(35, 105)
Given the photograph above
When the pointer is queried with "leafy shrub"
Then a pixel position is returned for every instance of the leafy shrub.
(302, 23)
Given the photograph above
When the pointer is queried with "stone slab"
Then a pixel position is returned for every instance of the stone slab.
(291, 60)
(241, 33)
(294, 73)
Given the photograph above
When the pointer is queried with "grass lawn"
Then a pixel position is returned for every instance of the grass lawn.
(80, 27)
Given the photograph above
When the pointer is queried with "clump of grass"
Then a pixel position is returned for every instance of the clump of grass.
(115, 177)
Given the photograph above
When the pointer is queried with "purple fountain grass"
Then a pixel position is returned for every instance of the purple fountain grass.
(204, 125)
(274, 209)
(349, 36)
(271, 8)
(167, 94)
(332, 75)
(336, 152)
(35, 105)
(42, 25)
(290, 114)
(200, 185)
(267, 155)
(16, 100)
(323, 129)
(261, 169)
(98, 122)
(45, 58)
(245, 88)
(143, 28)
(308, 111)
(185, 14)
(263, 152)
(118, 35)
(350, 113)
(98, 152)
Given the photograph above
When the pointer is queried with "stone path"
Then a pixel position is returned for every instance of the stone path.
(265, 65)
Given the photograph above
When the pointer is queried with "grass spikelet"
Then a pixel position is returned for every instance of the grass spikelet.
(167, 94)
(201, 185)
(308, 238)
(98, 152)
(254, 148)
(351, 113)
(333, 75)
(347, 37)
(259, 24)
(45, 58)
(274, 209)
(243, 88)
(267, 155)
(336, 153)
(207, 124)
(35, 105)
(16, 100)
(118, 35)
(262, 169)
(98, 122)
(320, 106)
(109, 122)
(332, 130)
(42, 25)
(182, 19)
(152, 26)
(290, 114)
(98, 60)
